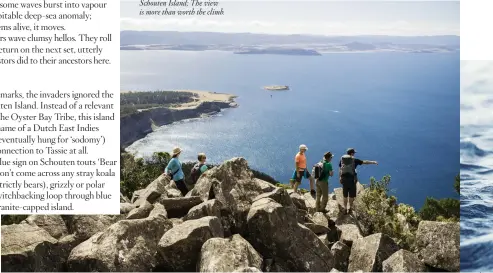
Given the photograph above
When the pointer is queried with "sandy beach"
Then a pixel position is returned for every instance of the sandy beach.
(202, 96)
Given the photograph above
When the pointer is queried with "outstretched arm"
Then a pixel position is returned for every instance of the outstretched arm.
(369, 162)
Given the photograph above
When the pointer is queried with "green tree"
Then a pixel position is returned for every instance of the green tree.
(446, 209)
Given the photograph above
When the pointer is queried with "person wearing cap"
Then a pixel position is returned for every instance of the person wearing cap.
(323, 183)
(301, 170)
(175, 171)
(349, 181)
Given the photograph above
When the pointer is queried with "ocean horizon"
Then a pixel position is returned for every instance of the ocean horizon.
(400, 109)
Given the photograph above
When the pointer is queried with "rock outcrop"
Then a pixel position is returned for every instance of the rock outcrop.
(403, 261)
(54, 224)
(229, 255)
(276, 233)
(28, 247)
(179, 248)
(368, 253)
(439, 244)
(126, 246)
(229, 222)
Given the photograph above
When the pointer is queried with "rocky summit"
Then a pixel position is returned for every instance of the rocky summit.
(229, 222)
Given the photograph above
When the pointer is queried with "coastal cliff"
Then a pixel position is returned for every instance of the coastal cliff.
(136, 126)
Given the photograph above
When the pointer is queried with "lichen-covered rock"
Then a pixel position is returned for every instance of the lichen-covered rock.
(126, 208)
(316, 228)
(275, 233)
(298, 201)
(179, 248)
(303, 216)
(323, 238)
(208, 208)
(141, 212)
(227, 255)
(54, 224)
(29, 248)
(339, 197)
(248, 269)
(333, 208)
(341, 253)
(264, 185)
(310, 203)
(176, 221)
(128, 246)
(135, 195)
(368, 253)
(234, 185)
(153, 191)
(158, 211)
(349, 234)
(85, 226)
(280, 195)
(347, 219)
(403, 261)
(173, 193)
(439, 244)
(179, 207)
(320, 219)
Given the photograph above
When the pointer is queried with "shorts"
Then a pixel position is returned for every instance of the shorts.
(349, 186)
(305, 173)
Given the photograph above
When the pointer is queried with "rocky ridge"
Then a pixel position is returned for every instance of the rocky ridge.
(229, 222)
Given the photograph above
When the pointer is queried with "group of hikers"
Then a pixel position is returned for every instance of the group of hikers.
(321, 172)
(175, 172)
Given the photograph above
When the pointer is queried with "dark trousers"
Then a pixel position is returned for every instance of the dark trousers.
(180, 184)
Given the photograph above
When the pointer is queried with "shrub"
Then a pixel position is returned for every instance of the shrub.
(137, 173)
(13, 219)
(446, 209)
(378, 213)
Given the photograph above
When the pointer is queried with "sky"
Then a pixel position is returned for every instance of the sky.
(399, 18)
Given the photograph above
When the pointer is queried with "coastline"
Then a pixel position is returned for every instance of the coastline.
(138, 125)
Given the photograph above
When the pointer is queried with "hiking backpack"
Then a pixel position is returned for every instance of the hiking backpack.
(347, 165)
(195, 173)
(318, 170)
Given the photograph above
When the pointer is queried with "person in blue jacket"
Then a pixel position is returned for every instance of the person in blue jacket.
(175, 171)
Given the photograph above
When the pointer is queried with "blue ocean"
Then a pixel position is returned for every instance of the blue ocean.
(399, 109)
(476, 165)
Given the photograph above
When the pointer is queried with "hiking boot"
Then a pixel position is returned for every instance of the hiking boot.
(312, 192)
(349, 211)
(324, 211)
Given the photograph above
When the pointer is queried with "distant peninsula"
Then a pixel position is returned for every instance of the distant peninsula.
(276, 87)
(143, 112)
(296, 44)
(280, 51)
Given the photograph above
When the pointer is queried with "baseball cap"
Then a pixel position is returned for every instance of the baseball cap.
(350, 151)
